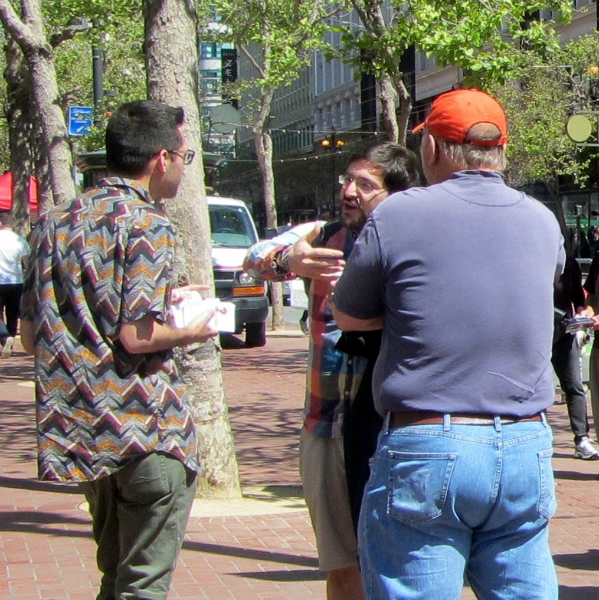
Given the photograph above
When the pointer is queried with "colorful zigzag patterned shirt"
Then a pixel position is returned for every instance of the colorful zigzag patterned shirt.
(99, 261)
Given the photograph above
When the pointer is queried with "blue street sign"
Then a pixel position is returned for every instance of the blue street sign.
(80, 120)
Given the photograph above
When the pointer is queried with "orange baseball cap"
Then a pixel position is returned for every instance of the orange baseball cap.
(454, 113)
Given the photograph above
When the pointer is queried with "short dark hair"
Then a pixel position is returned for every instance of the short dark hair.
(137, 131)
(400, 166)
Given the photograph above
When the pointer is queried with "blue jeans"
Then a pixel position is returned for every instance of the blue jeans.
(444, 501)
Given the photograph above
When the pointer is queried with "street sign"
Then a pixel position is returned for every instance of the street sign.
(224, 118)
(80, 120)
(579, 128)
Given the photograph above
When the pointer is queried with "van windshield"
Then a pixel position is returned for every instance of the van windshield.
(230, 226)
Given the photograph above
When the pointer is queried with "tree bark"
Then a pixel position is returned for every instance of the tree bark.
(393, 90)
(29, 34)
(171, 65)
(20, 131)
(388, 97)
(405, 109)
(264, 152)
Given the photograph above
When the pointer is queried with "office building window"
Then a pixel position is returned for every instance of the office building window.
(208, 50)
(210, 82)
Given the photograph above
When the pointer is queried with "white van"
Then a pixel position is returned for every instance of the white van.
(232, 231)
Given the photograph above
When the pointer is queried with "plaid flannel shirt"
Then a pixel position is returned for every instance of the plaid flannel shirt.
(333, 377)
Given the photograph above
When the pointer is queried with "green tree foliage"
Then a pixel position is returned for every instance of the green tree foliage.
(478, 36)
(277, 38)
(116, 29)
(27, 30)
(73, 28)
(539, 97)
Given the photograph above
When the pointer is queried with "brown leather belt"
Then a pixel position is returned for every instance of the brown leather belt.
(424, 417)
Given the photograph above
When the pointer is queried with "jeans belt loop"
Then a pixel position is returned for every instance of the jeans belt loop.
(446, 422)
(387, 421)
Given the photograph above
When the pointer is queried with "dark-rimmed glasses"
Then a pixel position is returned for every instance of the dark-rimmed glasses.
(186, 156)
(364, 186)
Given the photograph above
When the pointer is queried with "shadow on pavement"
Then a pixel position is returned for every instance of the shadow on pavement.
(38, 522)
(584, 561)
(578, 593)
(260, 555)
(17, 433)
(285, 576)
(267, 447)
(576, 476)
(228, 341)
(19, 370)
(285, 361)
(272, 493)
(37, 486)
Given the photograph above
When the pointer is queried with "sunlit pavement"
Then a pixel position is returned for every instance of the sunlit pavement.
(259, 548)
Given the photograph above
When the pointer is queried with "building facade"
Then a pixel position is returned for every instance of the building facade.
(332, 111)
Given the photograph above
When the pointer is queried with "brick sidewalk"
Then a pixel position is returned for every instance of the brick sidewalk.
(46, 550)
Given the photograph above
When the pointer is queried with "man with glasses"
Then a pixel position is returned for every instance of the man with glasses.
(110, 408)
(334, 375)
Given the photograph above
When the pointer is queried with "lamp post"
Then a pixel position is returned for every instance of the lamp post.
(98, 78)
(333, 144)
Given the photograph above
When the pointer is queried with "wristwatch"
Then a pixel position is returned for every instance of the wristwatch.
(281, 261)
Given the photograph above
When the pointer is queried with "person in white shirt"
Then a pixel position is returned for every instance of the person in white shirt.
(14, 250)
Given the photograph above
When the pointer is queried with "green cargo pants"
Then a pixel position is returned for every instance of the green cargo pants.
(139, 517)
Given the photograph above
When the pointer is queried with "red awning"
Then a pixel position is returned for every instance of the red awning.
(6, 192)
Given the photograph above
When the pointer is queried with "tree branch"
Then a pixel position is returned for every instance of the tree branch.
(15, 27)
(252, 60)
(68, 33)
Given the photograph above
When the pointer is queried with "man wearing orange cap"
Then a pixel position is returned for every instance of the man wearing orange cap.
(460, 277)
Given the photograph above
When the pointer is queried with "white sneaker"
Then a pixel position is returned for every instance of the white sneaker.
(304, 327)
(586, 449)
(7, 350)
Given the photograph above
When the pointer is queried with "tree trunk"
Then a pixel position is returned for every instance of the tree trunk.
(56, 149)
(20, 121)
(29, 34)
(171, 64)
(388, 98)
(405, 109)
(264, 152)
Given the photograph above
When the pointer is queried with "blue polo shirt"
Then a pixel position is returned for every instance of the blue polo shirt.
(463, 274)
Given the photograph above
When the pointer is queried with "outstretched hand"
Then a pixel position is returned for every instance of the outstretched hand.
(315, 263)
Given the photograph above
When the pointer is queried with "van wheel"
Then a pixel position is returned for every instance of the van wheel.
(255, 335)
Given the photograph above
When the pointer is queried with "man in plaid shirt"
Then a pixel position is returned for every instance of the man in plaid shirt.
(318, 252)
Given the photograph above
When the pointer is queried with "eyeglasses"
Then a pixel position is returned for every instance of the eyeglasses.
(187, 156)
(361, 184)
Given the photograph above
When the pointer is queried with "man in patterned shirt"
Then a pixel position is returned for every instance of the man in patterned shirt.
(334, 373)
(110, 408)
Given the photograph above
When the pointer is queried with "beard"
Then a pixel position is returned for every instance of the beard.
(353, 219)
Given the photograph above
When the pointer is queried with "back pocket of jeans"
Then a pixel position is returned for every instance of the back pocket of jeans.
(547, 501)
(418, 485)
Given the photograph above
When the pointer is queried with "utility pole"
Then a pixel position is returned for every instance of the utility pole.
(333, 144)
(98, 78)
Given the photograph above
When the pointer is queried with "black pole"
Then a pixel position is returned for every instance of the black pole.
(98, 78)
(367, 95)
